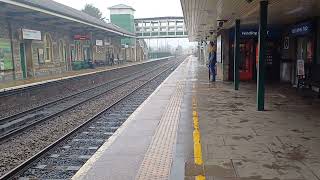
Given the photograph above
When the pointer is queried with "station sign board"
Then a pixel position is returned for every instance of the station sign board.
(302, 28)
(81, 37)
(31, 34)
(253, 32)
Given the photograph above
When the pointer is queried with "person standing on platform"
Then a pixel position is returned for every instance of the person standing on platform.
(112, 59)
(212, 61)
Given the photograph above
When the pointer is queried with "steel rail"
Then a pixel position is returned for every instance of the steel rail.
(63, 98)
(25, 165)
(5, 136)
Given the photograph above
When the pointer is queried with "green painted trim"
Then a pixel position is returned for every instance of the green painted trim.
(262, 54)
(125, 21)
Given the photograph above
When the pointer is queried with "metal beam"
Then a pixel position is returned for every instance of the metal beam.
(236, 53)
(262, 54)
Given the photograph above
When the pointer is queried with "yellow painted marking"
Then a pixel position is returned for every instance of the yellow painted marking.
(197, 151)
(200, 177)
(194, 113)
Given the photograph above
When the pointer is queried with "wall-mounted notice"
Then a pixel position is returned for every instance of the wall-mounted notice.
(31, 34)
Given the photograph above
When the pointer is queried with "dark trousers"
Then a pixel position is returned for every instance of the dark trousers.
(212, 69)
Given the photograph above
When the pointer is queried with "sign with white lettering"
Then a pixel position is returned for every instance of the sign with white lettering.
(31, 34)
(301, 29)
(81, 37)
(253, 32)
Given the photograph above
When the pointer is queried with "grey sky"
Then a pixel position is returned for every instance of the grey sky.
(144, 8)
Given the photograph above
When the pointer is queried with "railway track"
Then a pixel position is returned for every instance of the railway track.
(26, 98)
(62, 159)
(11, 126)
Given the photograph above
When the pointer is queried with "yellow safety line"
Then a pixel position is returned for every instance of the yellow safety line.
(200, 177)
(197, 152)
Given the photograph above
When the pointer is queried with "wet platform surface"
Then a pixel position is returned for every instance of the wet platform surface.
(237, 142)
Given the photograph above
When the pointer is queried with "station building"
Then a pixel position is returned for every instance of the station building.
(42, 38)
(292, 35)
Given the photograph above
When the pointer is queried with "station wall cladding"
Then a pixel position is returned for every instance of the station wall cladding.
(35, 62)
(51, 54)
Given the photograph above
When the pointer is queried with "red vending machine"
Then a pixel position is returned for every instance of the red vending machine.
(247, 59)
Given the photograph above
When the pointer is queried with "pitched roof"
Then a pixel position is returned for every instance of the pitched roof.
(121, 6)
(55, 7)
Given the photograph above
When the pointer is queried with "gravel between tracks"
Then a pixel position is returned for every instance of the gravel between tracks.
(33, 98)
(18, 149)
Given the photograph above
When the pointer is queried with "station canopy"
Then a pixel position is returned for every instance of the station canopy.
(205, 16)
(52, 14)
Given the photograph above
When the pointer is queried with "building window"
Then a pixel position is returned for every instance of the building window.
(48, 47)
(62, 51)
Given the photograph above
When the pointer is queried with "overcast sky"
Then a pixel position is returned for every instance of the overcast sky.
(144, 9)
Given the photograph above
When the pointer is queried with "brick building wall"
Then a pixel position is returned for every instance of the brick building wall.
(34, 68)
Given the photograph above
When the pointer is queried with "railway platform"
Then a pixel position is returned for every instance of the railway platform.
(17, 84)
(190, 128)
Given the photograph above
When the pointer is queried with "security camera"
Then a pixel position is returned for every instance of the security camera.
(221, 24)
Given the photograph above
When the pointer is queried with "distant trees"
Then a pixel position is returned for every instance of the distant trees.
(93, 11)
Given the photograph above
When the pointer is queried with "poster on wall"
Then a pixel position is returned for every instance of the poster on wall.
(219, 49)
(300, 67)
(5, 55)
(309, 51)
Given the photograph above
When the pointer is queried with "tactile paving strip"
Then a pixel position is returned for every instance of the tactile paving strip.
(158, 158)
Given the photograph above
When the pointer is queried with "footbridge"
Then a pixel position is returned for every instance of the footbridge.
(160, 27)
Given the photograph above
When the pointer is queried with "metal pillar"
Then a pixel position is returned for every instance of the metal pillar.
(262, 54)
(236, 61)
